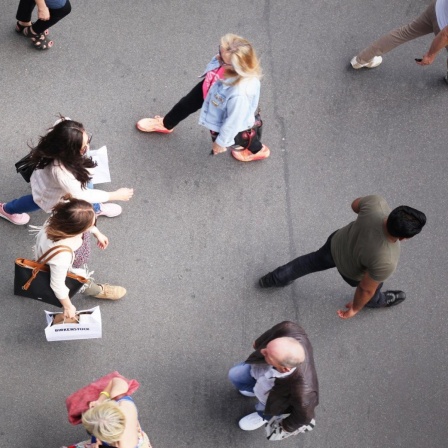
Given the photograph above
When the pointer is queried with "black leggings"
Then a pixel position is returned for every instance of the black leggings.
(191, 103)
(26, 8)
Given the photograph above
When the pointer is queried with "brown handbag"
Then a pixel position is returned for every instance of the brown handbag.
(32, 278)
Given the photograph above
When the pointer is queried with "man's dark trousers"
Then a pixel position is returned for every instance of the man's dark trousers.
(320, 260)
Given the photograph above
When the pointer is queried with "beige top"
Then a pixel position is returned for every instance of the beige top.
(48, 185)
(362, 246)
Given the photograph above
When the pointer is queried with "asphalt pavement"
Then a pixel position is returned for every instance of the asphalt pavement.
(201, 229)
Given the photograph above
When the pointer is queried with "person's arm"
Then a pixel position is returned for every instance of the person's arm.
(122, 194)
(58, 273)
(438, 43)
(115, 388)
(69, 184)
(364, 292)
(43, 13)
(102, 240)
(69, 308)
(302, 413)
(355, 205)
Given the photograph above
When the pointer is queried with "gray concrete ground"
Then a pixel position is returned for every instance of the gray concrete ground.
(200, 230)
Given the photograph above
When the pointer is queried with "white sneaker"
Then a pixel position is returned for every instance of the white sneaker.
(109, 210)
(375, 62)
(246, 393)
(251, 422)
(18, 219)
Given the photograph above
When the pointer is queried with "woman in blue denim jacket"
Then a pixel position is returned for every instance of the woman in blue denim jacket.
(228, 97)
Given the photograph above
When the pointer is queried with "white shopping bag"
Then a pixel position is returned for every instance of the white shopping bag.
(88, 327)
(101, 173)
(274, 430)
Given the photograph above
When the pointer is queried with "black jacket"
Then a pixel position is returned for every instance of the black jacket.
(298, 393)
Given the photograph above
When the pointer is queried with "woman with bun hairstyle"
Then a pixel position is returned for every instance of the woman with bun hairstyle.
(228, 97)
(62, 167)
(70, 219)
(112, 419)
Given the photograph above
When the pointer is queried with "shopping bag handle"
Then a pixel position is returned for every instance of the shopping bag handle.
(44, 259)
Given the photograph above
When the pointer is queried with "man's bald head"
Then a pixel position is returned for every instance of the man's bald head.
(284, 353)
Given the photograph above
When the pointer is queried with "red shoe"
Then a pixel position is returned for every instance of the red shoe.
(247, 156)
(153, 125)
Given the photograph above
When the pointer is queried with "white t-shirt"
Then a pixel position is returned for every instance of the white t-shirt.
(442, 13)
(265, 376)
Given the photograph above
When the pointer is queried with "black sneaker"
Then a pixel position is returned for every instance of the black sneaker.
(394, 297)
(266, 281)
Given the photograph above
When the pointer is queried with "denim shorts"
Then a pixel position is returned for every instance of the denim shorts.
(55, 4)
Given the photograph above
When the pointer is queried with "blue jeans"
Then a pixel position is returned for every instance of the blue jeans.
(315, 262)
(96, 207)
(241, 378)
(24, 204)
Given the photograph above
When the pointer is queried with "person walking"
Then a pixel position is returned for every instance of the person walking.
(281, 375)
(365, 253)
(49, 12)
(228, 97)
(62, 167)
(113, 419)
(433, 20)
(69, 220)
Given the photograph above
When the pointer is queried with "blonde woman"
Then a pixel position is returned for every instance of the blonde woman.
(112, 419)
(69, 220)
(228, 97)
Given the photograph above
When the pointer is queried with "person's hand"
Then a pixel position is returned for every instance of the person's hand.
(94, 403)
(124, 194)
(348, 313)
(426, 60)
(96, 444)
(43, 13)
(69, 311)
(102, 240)
(217, 149)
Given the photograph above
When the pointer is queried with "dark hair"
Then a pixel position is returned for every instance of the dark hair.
(63, 143)
(69, 218)
(405, 222)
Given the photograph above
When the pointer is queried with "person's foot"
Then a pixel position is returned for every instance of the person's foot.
(19, 219)
(20, 27)
(375, 62)
(251, 422)
(110, 292)
(247, 156)
(110, 210)
(394, 297)
(266, 281)
(39, 40)
(153, 125)
(246, 393)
